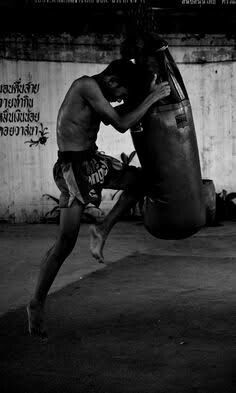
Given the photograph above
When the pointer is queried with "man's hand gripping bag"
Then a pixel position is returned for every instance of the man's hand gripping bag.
(167, 149)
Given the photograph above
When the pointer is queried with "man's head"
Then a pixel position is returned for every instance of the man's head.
(117, 79)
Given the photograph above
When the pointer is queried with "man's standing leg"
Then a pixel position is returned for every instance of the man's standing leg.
(69, 229)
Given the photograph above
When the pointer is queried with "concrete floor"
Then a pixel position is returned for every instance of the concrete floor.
(161, 319)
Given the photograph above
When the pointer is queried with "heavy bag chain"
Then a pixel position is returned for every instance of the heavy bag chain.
(143, 17)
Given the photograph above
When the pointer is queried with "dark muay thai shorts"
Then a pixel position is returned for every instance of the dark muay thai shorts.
(83, 175)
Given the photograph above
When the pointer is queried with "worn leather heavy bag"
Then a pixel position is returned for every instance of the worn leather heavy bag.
(167, 148)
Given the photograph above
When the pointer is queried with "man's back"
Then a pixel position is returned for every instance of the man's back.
(77, 122)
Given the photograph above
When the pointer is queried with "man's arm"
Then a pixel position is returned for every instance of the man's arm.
(92, 93)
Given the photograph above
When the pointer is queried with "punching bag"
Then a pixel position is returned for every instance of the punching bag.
(167, 149)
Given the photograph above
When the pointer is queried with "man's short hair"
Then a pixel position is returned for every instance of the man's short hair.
(124, 70)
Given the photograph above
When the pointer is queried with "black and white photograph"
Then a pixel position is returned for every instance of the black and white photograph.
(118, 196)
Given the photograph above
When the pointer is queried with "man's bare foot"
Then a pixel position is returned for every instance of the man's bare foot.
(35, 320)
(97, 241)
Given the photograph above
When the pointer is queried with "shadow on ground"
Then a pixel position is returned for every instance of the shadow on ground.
(147, 324)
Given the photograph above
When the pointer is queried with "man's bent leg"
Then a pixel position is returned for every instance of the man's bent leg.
(99, 232)
(69, 229)
(131, 180)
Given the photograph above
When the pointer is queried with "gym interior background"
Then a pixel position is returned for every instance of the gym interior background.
(159, 317)
(43, 49)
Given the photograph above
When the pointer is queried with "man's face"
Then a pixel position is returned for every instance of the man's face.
(115, 92)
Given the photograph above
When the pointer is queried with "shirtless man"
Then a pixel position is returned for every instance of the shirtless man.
(81, 171)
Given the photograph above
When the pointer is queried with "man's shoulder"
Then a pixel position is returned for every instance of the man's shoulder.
(86, 87)
(85, 81)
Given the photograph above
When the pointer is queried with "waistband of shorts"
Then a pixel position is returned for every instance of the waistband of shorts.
(76, 156)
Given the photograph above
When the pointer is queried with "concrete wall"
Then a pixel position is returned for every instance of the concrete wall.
(43, 69)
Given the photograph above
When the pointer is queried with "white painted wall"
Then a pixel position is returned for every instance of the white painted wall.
(212, 91)
(26, 172)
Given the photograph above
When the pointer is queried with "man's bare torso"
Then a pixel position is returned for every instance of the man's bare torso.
(77, 122)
